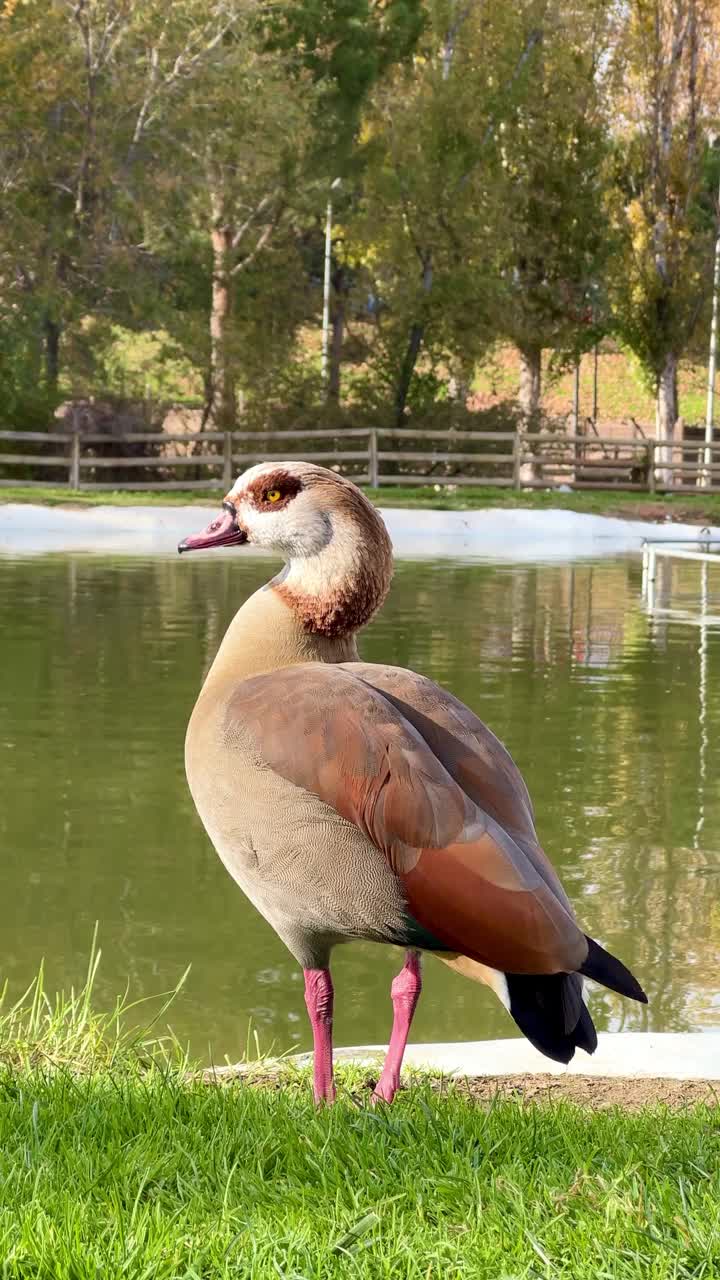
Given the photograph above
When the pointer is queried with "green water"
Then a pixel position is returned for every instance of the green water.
(613, 718)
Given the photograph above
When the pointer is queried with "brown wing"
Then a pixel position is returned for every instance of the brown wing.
(471, 753)
(467, 880)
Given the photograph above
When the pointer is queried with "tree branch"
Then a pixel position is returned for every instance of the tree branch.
(533, 39)
(448, 48)
(245, 226)
(250, 257)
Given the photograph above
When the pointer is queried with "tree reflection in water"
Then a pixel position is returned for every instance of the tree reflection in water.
(612, 715)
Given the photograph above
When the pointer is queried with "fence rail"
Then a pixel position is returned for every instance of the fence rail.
(210, 461)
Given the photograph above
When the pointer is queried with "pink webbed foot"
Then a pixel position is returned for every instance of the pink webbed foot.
(405, 992)
(319, 1001)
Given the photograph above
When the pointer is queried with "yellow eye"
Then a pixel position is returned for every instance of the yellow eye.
(273, 495)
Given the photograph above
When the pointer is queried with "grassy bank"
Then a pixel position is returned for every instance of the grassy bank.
(128, 1173)
(114, 1163)
(623, 395)
(682, 508)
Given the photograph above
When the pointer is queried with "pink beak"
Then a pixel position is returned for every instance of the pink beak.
(222, 532)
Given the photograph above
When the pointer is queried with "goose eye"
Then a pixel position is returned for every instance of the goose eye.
(273, 495)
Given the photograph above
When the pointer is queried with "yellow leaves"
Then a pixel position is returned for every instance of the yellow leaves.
(367, 132)
(8, 8)
(369, 257)
(639, 227)
(714, 922)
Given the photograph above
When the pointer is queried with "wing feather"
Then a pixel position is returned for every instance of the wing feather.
(453, 820)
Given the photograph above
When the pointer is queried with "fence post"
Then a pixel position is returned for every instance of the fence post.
(373, 471)
(651, 466)
(516, 457)
(74, 472)
(227, 476)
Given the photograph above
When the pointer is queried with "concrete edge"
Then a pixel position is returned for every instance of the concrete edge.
(620, 1055)
(495, 534)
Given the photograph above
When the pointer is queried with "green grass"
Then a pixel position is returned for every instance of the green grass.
(113, 1163)
(622, 392)
(119, 1173)
(468, 498)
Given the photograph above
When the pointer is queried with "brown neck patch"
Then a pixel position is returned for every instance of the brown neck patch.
(351, 602)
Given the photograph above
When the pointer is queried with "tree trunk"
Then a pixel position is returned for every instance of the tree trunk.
(223, 411)
(666, 416)
(51, 336)
(407, 367)
(530, 384)
(529, 393)
(406, 372)
(207, 399)
(459, 387)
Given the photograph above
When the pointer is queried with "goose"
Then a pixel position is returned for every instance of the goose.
(351, 800)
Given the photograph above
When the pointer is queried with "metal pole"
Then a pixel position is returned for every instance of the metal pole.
(227, 461)
(576, 415)
(326, 284)
(373, 472)
(712, 363)
(326, 292)
(595, 385)
(517, 456)
(74, 473)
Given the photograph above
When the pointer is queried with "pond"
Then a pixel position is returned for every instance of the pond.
(614, 719)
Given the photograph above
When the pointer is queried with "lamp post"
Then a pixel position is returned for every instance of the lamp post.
(326, 283)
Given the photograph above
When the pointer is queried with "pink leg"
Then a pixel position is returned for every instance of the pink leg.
(319, 1001)
(405, 991)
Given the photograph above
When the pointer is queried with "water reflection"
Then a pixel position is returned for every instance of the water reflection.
(600, 705)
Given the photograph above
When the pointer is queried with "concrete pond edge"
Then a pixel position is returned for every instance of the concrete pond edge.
(519, 535)
(624, 1055)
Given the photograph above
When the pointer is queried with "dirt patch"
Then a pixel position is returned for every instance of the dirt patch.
(596, 1093)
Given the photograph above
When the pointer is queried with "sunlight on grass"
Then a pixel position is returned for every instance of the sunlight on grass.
(116, 1161)
(694, 508)
(623, 393)
(65, 1030)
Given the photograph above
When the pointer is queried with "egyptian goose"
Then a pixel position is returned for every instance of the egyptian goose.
(351, 800)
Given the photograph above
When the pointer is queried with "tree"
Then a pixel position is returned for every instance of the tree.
(243, 134)
(663, 202)
(553, 240)
(85, 83)
(34, 249)
(348, 48)
(430, 203)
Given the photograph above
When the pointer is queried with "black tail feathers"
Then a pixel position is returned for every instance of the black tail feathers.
(550, 1011)
(611, 972)
(585, 1033)
(549, 1008)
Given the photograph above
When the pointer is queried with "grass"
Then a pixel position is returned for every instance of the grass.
(622, 392)
(114, 1162)
(700, 508)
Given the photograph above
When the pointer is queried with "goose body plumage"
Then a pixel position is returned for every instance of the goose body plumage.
(353, 800)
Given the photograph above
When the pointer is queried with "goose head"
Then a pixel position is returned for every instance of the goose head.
(337, 553)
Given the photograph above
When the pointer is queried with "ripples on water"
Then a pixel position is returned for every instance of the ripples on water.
(613, 718)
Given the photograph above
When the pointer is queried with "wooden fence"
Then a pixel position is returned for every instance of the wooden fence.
(373, 456)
